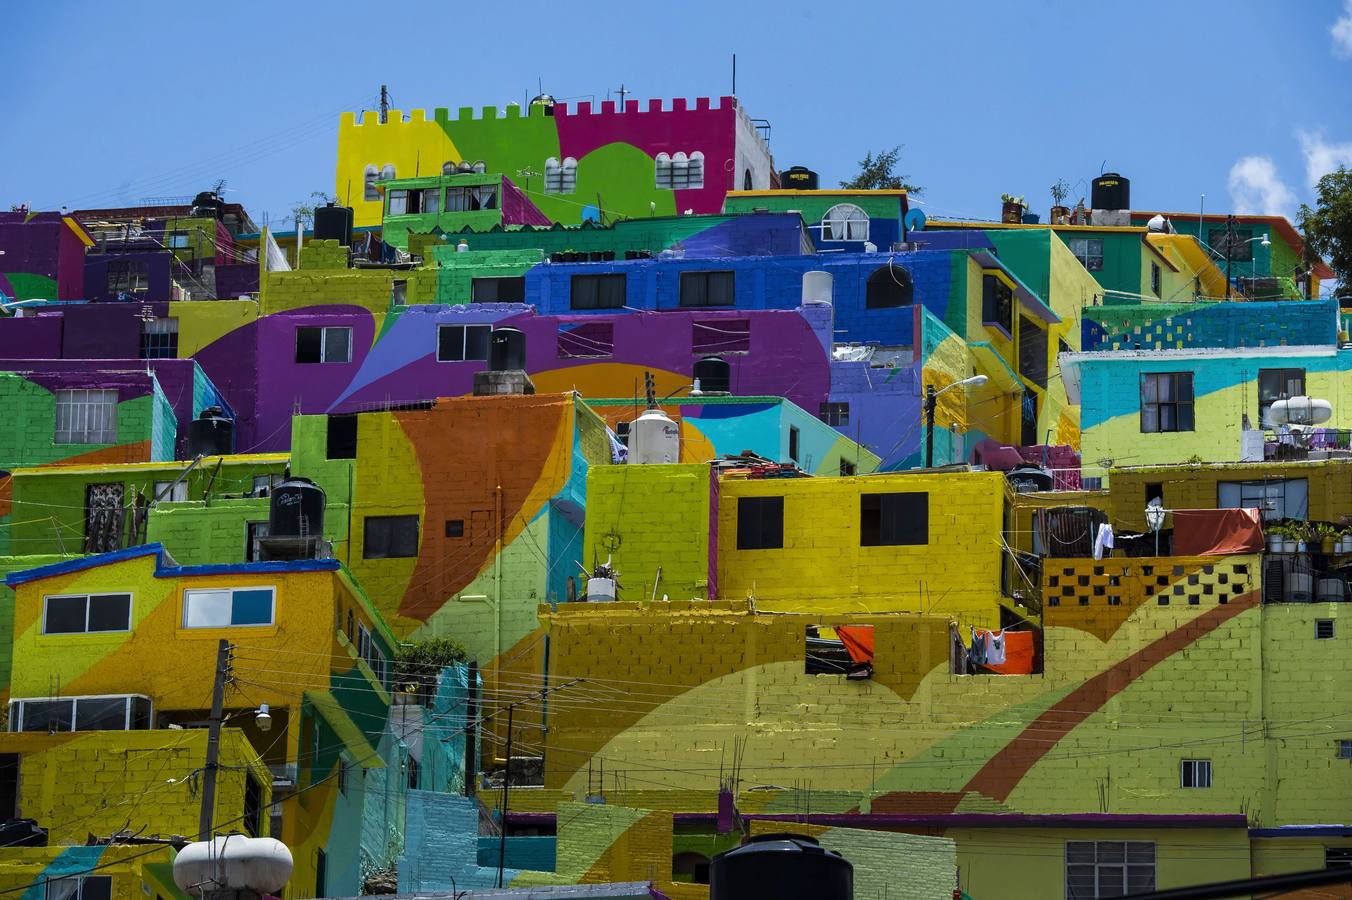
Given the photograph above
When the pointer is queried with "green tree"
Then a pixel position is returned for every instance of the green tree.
(305, 210)
(1328, 227)
(417, 665)
(875, 174)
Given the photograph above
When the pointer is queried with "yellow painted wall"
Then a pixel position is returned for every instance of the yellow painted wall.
(403, 144)
(135, 871)
(199, 323)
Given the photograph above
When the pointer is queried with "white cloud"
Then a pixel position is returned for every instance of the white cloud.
(1342, 32)
(1257, 189)
(1321, 157)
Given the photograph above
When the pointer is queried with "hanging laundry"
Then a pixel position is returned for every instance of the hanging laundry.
(1103, 541)
(995, 648)
(977, 655)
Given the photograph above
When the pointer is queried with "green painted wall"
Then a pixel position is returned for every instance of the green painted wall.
(27, 438)
(196, 533)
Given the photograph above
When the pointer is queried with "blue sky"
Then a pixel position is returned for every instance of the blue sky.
(1246, 102)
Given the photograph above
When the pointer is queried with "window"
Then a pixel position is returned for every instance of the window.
(370, 653)
(412, 766)
(679, 172)
(262, 485)
(1344, 748)
(839, 650)
(845, 222)
(847, 468)
(560, 177)
(708, 288)
(1323, 629)
(458, 343)
(176, 240)
(1089, 251)
(893, 520)
(1156, 280)
(125, 712)
(1109, 868)
(342, 775)
(997, 303)
(760, 523)
(342, 437)
(794, 436)
(159, 339)
(472, 198)
(1033, 352)
(323, 345)
(399, 293)
(321, 873)
(390, 537)
(1274, 385)
(1166, 402)
(1337, 857)
(128, 276)
(1237, 246)
(228, 607)
(597, 292)
(498, 290)
(90, 887)
(889, 287)
(253, 807)
(170, 491)
(690, 868)
(413, 202)
(1154, 491)
(86, 417)
(586, 340)
(369, 178)
(1277, 499)
(455, 528)
(837, 415)
(254, 532)
(720, 336)
(86, 613)
(1194, 773)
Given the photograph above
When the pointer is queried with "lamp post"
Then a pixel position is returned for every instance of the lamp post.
(1154, 517)
(931, 401)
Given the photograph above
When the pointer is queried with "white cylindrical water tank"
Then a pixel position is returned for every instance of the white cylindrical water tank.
(1300, 411)
(233, 863)
(817, 287)
(654, 438)
(600, 590)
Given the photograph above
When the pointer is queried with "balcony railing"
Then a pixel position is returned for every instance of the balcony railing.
(1312, 443)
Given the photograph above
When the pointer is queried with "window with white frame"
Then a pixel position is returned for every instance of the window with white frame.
(845, 222)
(159, 338)
(457, 343)
(90, 887)
(1089, 251)
(86, 613)
(1276, 498)
(86, 417)
(369, 178)
(228, 607)
(170, 491)
(1109, 868)
(331, 344)
(371, 653)
(560, 176)
(1194, 773)
(117, 712)
(679, 172)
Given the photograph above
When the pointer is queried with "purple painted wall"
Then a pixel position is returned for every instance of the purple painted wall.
(159, 265)
(32, 337)
(41, 244)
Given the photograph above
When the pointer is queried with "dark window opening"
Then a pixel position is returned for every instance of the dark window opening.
(892, 520)
(390, 537)
(1032, 351)
(1337, 857)
(1166, 402)
(760, 523)
(708, 288)
(1154, 491)
(455, 528)
(321, 873)
(323, 345)
(997, 303)
(412, 774)
(690, 868)
(847, 468)
(837, 415)
(254, 532)
(253, 807)
(159, 339)
(458, 343)
(597, 292)
(128, 276)
(888, 287)
(9, 785)
(1156, 280)
(342, 437)
(793, 442)
(1274, 385)
(498, 290)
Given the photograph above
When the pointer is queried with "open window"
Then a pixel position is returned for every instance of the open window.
(840, 650)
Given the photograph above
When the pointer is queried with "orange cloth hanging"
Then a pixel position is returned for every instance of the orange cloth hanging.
(858, 641)
(1019, 652)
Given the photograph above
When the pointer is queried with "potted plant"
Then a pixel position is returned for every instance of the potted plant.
(1324, 535)
(1342, 543)
(1012, 211)
(1285, 538)
(1060, 212)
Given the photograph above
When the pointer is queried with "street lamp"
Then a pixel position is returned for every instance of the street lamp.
(1154, 517)
(931, 396)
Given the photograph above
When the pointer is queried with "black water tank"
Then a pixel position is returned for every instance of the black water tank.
(507, 350)
(334, 223)
(799, 178)
(1110, 191)
(211, 434)
(714, 375)
(22, 833)
(296, 502)
(207, 204)
(782, 866)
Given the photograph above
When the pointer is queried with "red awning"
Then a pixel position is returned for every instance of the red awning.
(1217, 532)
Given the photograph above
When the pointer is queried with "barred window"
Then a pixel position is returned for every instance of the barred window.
(679, 172)
(845, 222)
(560, 177)
(1166, 402)
(86, 417)
(159, 339)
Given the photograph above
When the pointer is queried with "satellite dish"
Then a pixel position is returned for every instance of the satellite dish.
(1300, 411)
(591, 214)
(915, 220)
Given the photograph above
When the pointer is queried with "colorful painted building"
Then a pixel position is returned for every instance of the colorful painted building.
(836, 219)
(41, 256)
(641, 158)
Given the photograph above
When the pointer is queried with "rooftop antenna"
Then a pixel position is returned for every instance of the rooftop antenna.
(734, 74)
(384, 105)
(622, 93)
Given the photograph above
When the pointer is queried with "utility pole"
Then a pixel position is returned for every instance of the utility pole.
(204, 823)
(622, 93)
(931, 400)
(384, 105)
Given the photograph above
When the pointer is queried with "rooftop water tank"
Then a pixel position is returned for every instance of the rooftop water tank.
(507, 350)
(1300, 411)
(297, 509)
(211, 434)
(817, 287)
(1110, 191)
(233, 863)
(654, 438)
(782, 866)
(799, 178)
(334, 223)
(714, 375)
